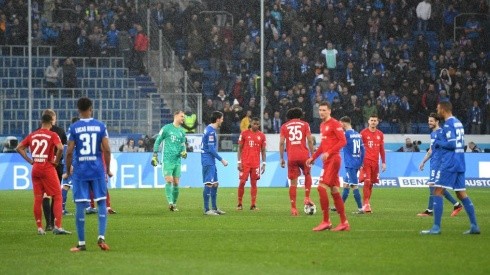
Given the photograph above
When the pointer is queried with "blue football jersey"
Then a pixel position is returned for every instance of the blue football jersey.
(87, 135)
(353, 150)
(452, 146)
(435, 158)
(209, 145)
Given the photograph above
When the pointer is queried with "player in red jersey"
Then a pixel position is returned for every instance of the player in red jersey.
(374, 144)
(295, 135)
(42, 144)
(333, 139)
(251, 145)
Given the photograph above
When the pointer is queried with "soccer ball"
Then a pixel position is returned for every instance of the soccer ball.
(310, 209)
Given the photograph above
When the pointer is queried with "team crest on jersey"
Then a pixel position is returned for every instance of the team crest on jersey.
(258, 138)
(326, 128)
(377, 137)
(211, 138)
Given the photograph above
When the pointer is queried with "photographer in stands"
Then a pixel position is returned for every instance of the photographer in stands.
(410, 146)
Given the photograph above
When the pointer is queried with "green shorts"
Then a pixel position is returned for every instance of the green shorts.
(171, 169)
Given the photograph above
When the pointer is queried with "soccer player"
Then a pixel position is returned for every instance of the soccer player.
(209, 153)
(435, 159)
(452, 169)
(173, 137)
(42, 144)
(251, 145)
(89, 139)
(296, 138)
(333, 139)
(353, 158)
(374, 145)
(47, 208)
(66, 181)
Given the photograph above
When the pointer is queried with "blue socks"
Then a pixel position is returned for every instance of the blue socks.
(431, 198)
(206, 194)
(345, 194)
(80, 220)
(357, 197)
(438, 209)
(470, 210)
(102, 205)
(214, 194)
(64, 194)
(449, 197)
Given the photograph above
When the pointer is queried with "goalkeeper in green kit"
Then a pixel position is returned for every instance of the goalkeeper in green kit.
(173, 137)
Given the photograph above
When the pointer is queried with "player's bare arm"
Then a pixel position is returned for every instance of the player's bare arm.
(21, 149)
(69, 156)
(106, 151)
(281, 150)
(263, 160)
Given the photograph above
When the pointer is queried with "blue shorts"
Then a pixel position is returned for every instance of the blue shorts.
(451, 180)
(82, 188)
(351, 177)
(209, 174)
(434, 176)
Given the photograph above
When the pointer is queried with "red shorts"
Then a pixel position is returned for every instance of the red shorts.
(370, 170)
(330, 172)
(253, 172)
(295, 167)
(45, 181)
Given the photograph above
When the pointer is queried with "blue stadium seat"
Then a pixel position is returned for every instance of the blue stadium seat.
(385, 127)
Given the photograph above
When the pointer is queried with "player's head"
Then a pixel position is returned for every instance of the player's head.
(445, 109)
(179, 117)
(294, 113)
(433, 120)
(325, 110)
(255, 124)
(47, 120)
(52, 113)
(84, 104)
(373, 121)
(217, 117)
(346, 122)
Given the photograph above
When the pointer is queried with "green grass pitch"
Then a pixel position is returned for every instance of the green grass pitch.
(146, 238)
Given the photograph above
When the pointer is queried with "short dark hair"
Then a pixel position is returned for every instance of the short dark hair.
(326, 103)
(293, 113)
(255, 119)
(46, 118)
(446, 106)
(435, 116)
(373, 115)
(215, 116)
(74, 119)
(345, 119)
(176, 112)
(84, 104)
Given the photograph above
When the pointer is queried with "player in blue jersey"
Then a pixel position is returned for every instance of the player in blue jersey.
(89, 139)
(435, 159)
(452, 169)
(209, 153)
(353, 158)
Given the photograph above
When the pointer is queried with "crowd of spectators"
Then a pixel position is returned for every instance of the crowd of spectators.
(395, 58)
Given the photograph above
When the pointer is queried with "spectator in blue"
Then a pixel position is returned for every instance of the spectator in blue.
(331, 93)
(475, 118)
(472, 28)
(448, 17)
(82, 43)
(393, 98)
(112, 39)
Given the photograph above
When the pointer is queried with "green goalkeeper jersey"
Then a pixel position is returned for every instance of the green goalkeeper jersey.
(173, 143)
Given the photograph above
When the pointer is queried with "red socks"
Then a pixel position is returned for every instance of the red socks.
(38, 212)
(307, 185)
(253, 191)
(292, 195)
(241, 190)
(339, 205)
(324, 203)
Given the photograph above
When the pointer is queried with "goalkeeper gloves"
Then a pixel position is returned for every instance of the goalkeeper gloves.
(154, 159)
(183, 154)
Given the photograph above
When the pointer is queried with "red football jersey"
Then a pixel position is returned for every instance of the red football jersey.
(252, 143)
(41, 144)
(333, 138)
(374, 144)
(295, 132)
